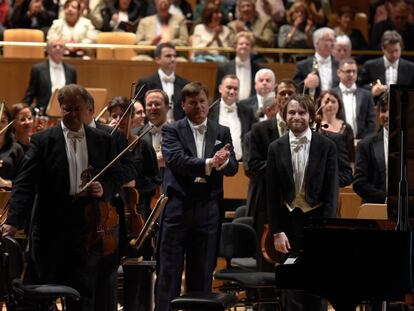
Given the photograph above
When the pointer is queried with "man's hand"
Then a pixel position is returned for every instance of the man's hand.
(160, 158)
(95, 189)
(378, 89)
(221, 156)
(281, 243)
(312, 81)
(8, 230)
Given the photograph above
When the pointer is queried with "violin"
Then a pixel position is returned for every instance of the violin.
(101, 221)
(134, 221)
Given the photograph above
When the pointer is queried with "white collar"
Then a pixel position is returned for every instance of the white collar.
(193, 125)
(388, 64)
(308, 135)
(344, 88)
(322, 60)
(52, 64)
(66, 130)
(163, 74)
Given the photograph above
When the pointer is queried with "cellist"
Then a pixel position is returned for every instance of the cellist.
(51, 171)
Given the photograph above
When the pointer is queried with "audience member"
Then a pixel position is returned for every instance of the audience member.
(73, 28)
(162, 27)
(389, 68)
(48, 76)
(226, 9)
(330, 111)
(398, 21)
(243, 65)
(345, 27)
(342, 48)
(33, 14)
(182, 8)
(90, 9)
(371, 161)
(228, 112)
(318, 12)
(275, 10)
(359, 111)
(318, 72)
(165, 79)
(264, 83)
(210, 33)
(248, 20)
(123, 15)
(297, 33)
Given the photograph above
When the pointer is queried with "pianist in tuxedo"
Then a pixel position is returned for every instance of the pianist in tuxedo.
(165, 79)
(198, 152)
(48, 76)
(302, 183)
(371, 160)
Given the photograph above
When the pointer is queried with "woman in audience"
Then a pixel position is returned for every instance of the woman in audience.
(73, 28)
(330, 106)
(11, 153)
(298, 32)
(123, 15)
(210, 33)
(345, 27)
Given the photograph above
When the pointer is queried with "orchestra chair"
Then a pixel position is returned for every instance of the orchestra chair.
(372, 211)
(238, 240)
(24, 35)
(19, 296)
(246, 263)
(204, 301)
(241, 211)
(126, 38)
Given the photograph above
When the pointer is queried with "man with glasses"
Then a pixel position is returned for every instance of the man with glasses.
(358, 103)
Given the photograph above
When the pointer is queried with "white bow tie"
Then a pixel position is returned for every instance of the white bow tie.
(169, 79)
(76, 135)
(201, 129)
(347, 91)
(322, 61)
(391, 65)
(230, 109)
(155, 130)
(298, 143)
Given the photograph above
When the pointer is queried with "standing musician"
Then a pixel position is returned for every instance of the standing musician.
(197, 153)
(302, 183)
(67, 247)
(136, 289)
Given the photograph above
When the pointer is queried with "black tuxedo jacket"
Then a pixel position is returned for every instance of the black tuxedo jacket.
(370, 172)
(321, 180)
(40, 86)
(44, 174)
(245, 113)
(375, 69)
(230, 69)
(305, 67)
(154, 82)
(251, 102)
(365, 112)
(183, 165)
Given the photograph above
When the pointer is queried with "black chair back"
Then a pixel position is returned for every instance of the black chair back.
(237, 240)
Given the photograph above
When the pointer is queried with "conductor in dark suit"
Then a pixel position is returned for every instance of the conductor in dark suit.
(318, 72)
(370, 178)
(389, 68)
(165, 79)
(48, 76)
(65, 249)
(302, 182)
(197, 153)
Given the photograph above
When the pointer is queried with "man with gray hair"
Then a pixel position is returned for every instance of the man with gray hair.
(318, 72)
(264, 84)
(342, 48)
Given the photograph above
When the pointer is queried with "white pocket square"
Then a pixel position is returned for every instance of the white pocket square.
(218, 142)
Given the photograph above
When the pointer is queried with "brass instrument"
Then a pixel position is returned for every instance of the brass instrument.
(149, 226)
(315, 70)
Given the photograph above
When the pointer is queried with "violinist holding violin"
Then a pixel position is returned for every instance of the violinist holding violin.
(51, 172)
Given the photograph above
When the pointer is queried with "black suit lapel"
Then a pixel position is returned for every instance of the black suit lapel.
(211, 136)
(313, 159)
(402, 73)
(213, 113)
(381, 71)
(358, 98)
(378, 146)
(286, 159)
(187, 133)
(59, 156)
(46, 75)
(273, 131)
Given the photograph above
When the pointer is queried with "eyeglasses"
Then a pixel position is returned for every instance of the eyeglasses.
(349, 71)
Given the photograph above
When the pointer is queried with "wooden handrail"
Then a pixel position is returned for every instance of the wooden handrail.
(189, 48)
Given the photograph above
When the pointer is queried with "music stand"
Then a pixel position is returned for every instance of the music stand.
(98, 94)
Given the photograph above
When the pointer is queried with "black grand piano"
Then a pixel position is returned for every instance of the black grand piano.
(348, 261)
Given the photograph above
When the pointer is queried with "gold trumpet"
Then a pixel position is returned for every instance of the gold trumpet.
(150, 224)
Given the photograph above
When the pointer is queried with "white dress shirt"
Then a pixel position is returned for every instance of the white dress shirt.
(244, 73)
(325, 71)
(167, 83)
(57, 75)
(349, 99)
(156, 136)
(391, 71)
(77, 154)
(228, 117)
